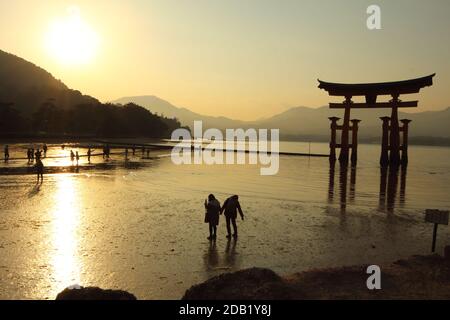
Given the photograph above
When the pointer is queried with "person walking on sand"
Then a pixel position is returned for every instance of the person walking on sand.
(212, 206)
(30, 155)
(77, 156)
(89, 152)
(39, 170)
(72, 156)
(6, 153)
(38, 154)
(231, 206)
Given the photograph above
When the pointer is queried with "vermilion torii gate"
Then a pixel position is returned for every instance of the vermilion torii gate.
(391, 144)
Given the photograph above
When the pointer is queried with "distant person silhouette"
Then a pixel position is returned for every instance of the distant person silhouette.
(72, 156)
(45, 150)
(38, 154)
(29, 155)
(148, 153)
(77, 156)
(106, 151)
(6, 153)
(32, 154)
(231, 206)
(126, 153)
(39, 170)
(89, 152)
(212, 206)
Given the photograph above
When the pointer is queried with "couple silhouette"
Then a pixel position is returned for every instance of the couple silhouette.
(230, 208)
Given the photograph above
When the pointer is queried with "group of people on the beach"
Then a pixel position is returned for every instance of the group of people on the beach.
(74, 156)
(31, 154)
(230, 209)
(133, 150)
(36, 155)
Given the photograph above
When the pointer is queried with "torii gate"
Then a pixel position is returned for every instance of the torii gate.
(391, 131)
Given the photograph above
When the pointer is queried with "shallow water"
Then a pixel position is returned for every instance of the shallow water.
(138, 225)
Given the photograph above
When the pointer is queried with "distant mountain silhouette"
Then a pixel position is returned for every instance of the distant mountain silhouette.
(29, 86)
(33, 102)
(306, 123)
(185, 116)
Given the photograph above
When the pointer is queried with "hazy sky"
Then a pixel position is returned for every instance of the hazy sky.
(244, 59)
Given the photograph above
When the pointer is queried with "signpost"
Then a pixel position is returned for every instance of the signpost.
(437, 217)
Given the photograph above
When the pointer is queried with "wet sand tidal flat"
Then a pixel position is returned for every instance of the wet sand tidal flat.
(138, 225)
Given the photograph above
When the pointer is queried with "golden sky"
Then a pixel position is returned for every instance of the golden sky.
(241, 59)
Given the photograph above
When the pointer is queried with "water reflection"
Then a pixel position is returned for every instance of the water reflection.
(388, 191)
(215, 261)
(211, 257)
(389, 188)
(65, 264)
(230, 253)
(343, 185)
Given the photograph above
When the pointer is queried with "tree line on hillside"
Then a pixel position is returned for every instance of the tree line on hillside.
(103, 120)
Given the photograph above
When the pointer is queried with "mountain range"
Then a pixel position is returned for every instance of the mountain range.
(35, 104)
(305, 122)
(28, 88)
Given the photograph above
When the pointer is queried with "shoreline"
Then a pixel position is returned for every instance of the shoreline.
(417, 141)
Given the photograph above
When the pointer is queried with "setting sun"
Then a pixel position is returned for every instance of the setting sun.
(70, 40)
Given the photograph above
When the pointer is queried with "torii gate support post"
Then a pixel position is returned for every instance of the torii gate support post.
(394, 143)
(333, 127)
(354, 157)
(343, 156)
(384, 158)
(405, 129)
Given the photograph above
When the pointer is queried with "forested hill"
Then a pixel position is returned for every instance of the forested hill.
(33, 102)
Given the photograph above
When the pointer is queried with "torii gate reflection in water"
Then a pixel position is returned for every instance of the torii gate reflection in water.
(391, 144)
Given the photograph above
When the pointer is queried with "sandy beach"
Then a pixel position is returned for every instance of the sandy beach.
(138, 225)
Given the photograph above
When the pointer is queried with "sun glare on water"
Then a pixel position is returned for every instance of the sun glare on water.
(71, 40)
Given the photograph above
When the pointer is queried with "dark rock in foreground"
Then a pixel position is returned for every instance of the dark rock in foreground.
(418, 277)
(94, 293)
(254, 283)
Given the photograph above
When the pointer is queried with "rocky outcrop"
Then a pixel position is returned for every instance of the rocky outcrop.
(94, 293)
(254, 283)
(418, 277)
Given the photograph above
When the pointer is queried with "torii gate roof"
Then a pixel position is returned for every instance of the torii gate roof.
(375, 89)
